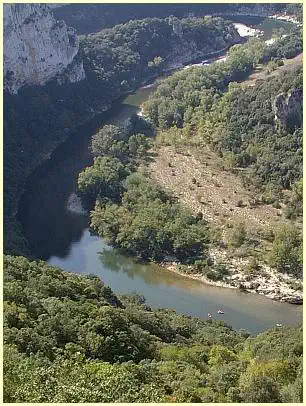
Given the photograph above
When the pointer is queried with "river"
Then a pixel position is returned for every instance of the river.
(57, 232)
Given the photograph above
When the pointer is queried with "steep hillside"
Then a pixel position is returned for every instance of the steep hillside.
(69, 338)
(233, 154)
(115, 61)
(37, 47)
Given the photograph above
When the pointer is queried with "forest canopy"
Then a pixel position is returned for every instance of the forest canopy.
(69, 338)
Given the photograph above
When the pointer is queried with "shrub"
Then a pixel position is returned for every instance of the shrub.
(237, 236)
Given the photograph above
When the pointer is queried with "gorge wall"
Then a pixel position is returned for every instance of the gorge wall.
(44, 52)
(37, 47)
(89, 18)
(288, 108)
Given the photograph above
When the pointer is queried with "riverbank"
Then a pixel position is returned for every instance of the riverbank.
(290, 18)
(264, 14)
(218, 203)
(268, 283)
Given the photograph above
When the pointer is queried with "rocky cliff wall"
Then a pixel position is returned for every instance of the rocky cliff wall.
(288, 108)
(37, 47)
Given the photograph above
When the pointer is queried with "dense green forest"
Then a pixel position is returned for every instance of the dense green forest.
(130, 211)
(69, 338)
(198, 107)
(93, 17)
(116, 61)
(202, 106)
(118, 57)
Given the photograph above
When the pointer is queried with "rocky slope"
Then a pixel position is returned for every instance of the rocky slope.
(215, 195)
(286, 106)
(37, 47)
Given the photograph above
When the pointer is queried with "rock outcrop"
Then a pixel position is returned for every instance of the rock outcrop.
(37, 47)
(287, 108)
(187, 50)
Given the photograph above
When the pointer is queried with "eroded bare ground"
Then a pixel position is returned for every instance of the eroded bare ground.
(262, 74)
(201, 185)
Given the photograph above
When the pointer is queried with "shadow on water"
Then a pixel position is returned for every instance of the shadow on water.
(163, 288)
(61, 236)
(47, 224)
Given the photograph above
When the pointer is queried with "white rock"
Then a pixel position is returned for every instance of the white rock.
(37, 47)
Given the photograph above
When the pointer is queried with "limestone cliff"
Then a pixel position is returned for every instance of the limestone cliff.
(186, 49)
(37, 47)
(288, 108)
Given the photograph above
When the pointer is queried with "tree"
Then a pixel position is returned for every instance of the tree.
(271, 67)
(259, 389)
(238, 235)
(286, 252)
(103, 142)
(103, 179)
(294, 208)
(157, 61)
(219, 355)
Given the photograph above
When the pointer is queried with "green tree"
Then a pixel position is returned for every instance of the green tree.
(219, 355)
(286, 252)
(103, 141)
(238, 235)
(103, 179)
(259, 389)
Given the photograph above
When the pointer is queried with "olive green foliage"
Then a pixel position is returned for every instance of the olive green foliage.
(69, 338)
(104, 178)
(115, 60)
(104, 140)
(239, 124)
(287, 47)
(217, 273)
(117, 152)
(121, 143)
(287, 250)
(149, 223)
(271, 155)
(294, 208)
(237, 235)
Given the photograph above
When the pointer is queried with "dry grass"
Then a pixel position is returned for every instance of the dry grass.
(198, 181)
(262, 74)
(201, 185)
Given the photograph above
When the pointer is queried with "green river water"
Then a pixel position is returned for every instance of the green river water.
(58, 232)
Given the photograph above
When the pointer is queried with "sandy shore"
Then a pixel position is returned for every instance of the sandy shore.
(273, 285)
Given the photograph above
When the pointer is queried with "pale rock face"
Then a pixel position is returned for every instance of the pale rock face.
(37, 47)
(286, 106)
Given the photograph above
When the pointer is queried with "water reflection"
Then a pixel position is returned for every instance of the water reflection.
(62, 237)
(47, 224)
(163, 288)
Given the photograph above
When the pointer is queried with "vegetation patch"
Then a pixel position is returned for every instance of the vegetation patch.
(69, 338)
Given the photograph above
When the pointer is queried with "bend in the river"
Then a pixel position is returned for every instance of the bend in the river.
(57, 231)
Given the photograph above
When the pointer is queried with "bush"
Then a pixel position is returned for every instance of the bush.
(237, 236)
(253, 265)
(286, 253)
(217, 273)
